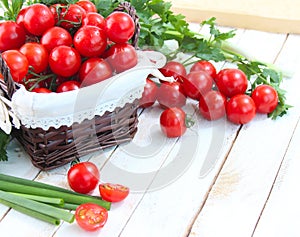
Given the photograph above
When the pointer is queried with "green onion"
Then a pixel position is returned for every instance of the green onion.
(67, 197)
(32, 183)
(31, 213)
(49, 200)
(35, 206)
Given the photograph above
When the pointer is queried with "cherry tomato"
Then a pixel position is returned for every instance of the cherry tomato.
(90, 216)
(57, 10)
(41, 90)
(68, 86)
(174, 69)
(122, 57)
(37, 56)
(94, 70)
(265, 98)
(113, 192)
(83, 177)
(231, 81)
(20, 18)
(38, 18)
(173, 122)
(87, 5)
(71, 16)
(206, 66)
(64, 61)
(94, 19)
(90, 41)
(171, 94)
(12, 36)
(120, 27)
(17, 64)
(149, 94)
(212, 105)
(56, 36)
(196, 84)
(240, 109)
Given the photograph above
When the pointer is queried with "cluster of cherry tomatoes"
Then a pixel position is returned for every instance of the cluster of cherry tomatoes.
(84, 177)
(63, 47)
(223, 93)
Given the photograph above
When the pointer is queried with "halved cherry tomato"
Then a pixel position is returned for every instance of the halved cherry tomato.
(113, 192)
(90, 216)
(83, 177)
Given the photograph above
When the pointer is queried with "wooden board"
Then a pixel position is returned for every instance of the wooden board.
(267, 15)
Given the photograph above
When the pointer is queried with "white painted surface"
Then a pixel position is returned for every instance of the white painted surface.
(242, 194)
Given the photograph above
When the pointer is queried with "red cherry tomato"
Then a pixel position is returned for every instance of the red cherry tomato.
(56, 36)
(38, 18)
(173, 122)
(94, 70)
(71, 16)
(37, 56)
(87, 5)
(206, 66)
(174, 69)
(149, 94)
(113, 192)
(196, 84)
(171, 94)
(41, 90)
(265, 98)
(90, 216)
(122, 57)
(64, 61)
(12, 36)
(17, 63)
(83, 177)
(94, 19)
(231, 81)
(68, 86)
(212, 105)
(90, 41)
(240, 109)
(120, 27)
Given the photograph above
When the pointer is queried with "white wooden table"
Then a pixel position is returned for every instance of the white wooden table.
(252, 188)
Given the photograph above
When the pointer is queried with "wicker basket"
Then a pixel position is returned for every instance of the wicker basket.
(55, 147)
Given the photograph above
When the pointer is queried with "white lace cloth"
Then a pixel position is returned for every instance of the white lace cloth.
(45, 110)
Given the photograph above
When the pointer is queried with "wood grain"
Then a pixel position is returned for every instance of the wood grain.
(266, 15)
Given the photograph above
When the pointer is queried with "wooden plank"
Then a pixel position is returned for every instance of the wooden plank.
(173, 208)
(281, 214)
(266, 15)
(240, 192)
